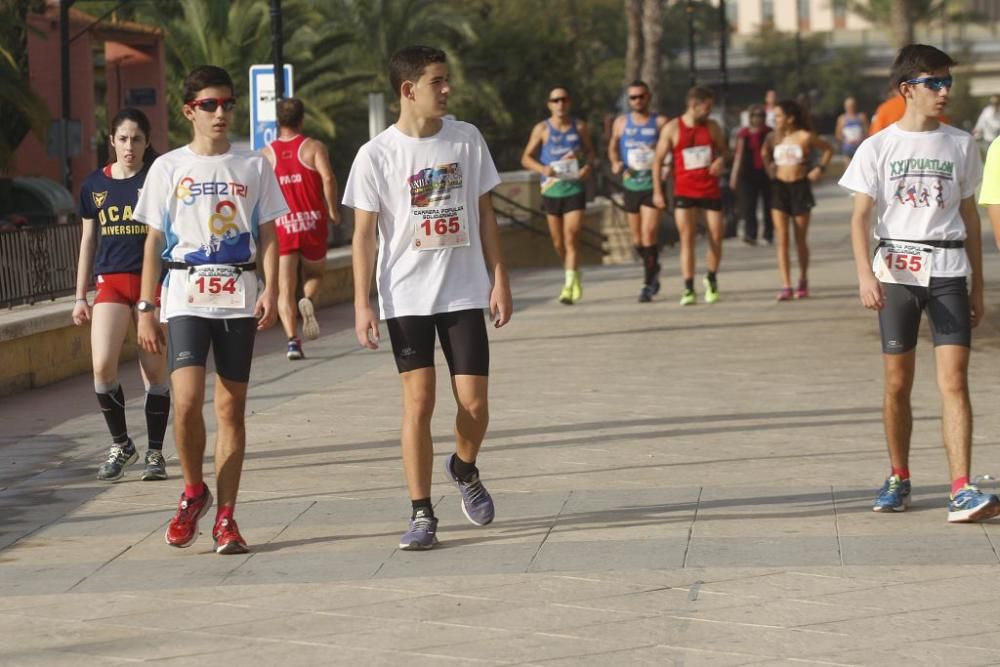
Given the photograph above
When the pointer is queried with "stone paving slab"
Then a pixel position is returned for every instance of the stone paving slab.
(675, 486)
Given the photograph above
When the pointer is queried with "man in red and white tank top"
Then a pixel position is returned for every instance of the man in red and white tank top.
(698, 147)
(302, 166)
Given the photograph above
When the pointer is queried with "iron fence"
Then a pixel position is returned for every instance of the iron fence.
(38, 263)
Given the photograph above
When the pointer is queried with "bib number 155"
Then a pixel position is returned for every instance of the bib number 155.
(901, 262)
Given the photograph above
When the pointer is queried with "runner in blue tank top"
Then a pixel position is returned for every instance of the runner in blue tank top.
(851, 128)
(564, 163)
(632, 153)
(111, 248)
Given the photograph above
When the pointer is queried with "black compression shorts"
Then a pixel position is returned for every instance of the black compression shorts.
(231, 341)
(946, 301)
(463, 337)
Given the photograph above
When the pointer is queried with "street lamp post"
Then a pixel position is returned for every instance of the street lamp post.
(276, 45)
(64, 158)
(691, 62)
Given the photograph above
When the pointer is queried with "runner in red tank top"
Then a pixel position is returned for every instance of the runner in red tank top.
(699, 150)
(302, 166)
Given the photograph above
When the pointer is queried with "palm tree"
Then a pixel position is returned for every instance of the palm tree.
(903, 16)
(21, 110)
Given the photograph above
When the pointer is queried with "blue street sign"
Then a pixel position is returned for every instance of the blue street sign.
(263, 121)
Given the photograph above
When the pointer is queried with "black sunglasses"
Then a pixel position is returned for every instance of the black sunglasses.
(557, 100)
(210, 104)
(637, 97)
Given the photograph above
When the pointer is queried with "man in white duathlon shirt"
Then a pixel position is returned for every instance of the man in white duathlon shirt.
(210, 211)
(920, 177)
(425, 184)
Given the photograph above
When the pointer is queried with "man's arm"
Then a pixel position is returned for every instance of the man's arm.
(363, 249)
(266, 309)
(664, 145)
(734, 177)
(269, 154)
(501, 302)
(614, 155)
(869, 288)
(838, 130)
(721, 147)
(589, 154)
(148, 331)
(974, 249)
(528, 160)
(321, 160)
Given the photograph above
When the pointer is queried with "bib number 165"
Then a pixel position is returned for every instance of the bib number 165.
(441, 226)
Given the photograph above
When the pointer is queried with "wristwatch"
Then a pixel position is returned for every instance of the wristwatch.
(145, 307)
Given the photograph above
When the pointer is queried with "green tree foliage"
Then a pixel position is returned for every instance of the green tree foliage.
(21, 110)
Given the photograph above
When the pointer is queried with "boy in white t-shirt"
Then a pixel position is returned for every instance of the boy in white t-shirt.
(920, 176)
(210, 210)
(425, 184)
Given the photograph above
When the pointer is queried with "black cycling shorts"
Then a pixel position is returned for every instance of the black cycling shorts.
(637, 198)
(795, 198)
(946, 301)
(463, 337)
(190, 337)
(564, 205)
(698, 202)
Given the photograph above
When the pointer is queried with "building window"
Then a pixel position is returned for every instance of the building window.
(803, 9)
(839, 14)
(767, 12)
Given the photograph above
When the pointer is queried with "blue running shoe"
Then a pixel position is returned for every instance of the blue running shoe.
(477, 505)
(422, 533)
(894, 496)
(970, 505)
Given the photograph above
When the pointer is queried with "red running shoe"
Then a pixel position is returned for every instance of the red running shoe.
(183, 528)
(228, 539)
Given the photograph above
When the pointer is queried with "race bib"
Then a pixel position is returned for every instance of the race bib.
(437, 228)
(215, 286)
(567, 169)
(696, 157)
(788, 155)
(852, 134)
(640, 158)
(903, 263)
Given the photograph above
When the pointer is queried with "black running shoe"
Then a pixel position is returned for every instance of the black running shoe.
(156, 466)
(119, 456)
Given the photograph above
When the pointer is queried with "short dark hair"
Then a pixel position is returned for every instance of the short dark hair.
(290, 113)
(798, 113)
(916, 58)
(638, 83)
(205, 76)
(409, 63)
(559, 86)
(700, 94)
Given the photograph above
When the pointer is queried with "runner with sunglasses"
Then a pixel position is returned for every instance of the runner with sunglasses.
(920, 176)
(564, 163)
(210, 211)
(112, 250)
(631, 151)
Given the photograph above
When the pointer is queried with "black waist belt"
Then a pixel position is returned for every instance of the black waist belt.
(936, 244)
(248, 266)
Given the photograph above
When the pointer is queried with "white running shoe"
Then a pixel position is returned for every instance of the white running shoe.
(310, 327)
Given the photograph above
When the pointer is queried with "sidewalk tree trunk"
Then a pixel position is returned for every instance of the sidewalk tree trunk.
(633, 40)
(652, 30)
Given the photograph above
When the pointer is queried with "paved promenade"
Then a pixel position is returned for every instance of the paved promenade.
(674, 486)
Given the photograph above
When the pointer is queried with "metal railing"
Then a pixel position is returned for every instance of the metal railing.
(38, 263)
(588, 237)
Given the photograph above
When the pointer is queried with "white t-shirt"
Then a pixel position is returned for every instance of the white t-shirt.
(426, 193)
(918, 180)
(209, 209)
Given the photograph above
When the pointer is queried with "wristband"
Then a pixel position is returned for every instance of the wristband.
(84, 300)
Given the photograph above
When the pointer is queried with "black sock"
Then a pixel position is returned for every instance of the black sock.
(711, 278)
(650, 264)
(113, 406)
(157, 411)
(422, 506)
(465, 472)
(689, 284)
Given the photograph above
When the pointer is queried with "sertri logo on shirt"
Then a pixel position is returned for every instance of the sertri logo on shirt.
(188, 189)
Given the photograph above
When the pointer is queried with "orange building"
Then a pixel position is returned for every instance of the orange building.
(124, 60)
